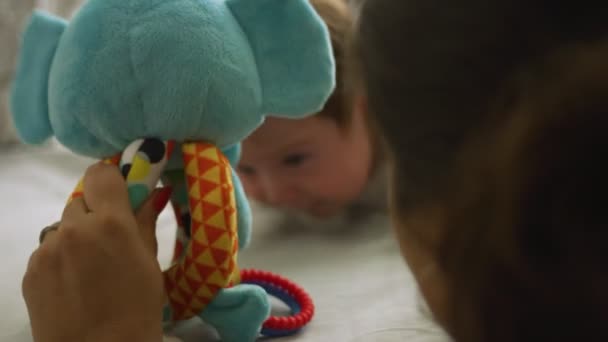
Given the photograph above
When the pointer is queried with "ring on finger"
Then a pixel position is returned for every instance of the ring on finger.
(47, 229)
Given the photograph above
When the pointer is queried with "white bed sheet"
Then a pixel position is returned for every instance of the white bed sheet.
(360, 285)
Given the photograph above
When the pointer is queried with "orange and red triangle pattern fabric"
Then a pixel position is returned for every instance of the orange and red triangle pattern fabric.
(209, 262)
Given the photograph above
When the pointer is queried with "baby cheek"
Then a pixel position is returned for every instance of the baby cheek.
(336, 183)
(347, 174)
(249, 185)
(352, 171)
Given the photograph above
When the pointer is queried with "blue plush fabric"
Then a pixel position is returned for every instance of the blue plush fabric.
(243, 211)
(30, 90)
(267, 22)
(238, 313)
(233, 153)
(184, 70)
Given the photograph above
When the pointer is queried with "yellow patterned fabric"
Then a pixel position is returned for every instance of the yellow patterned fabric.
(209, 261)
(206, 261)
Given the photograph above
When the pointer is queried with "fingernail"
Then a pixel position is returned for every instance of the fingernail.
(162, 198)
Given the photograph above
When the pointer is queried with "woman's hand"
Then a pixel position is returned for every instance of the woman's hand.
(96, 277)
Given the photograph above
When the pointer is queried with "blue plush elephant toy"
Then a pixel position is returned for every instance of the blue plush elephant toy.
(140, 78)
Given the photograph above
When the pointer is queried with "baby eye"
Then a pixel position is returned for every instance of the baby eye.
(294, 160)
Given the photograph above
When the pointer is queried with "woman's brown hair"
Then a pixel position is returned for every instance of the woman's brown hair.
(497, 111)
(524, 247)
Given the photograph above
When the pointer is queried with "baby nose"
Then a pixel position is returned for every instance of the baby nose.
(271, 191)
(281, 198)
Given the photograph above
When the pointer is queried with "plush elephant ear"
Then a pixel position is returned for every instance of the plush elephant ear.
(293, 52)
(29, 93)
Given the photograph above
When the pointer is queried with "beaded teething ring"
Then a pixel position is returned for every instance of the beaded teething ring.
(299, 302)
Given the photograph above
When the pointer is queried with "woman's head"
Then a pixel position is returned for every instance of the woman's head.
(494, 114)
(526, 228)
(319, 164)
(435, 71)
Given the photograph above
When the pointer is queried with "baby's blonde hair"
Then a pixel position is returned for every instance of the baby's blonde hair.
(338, 17)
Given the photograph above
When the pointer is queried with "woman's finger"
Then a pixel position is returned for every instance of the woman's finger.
(105, 190)
(148, 214)
(44, 260)
(74, 210)
(47, 230)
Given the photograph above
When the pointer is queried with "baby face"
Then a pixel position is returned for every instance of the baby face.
(311, 165)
